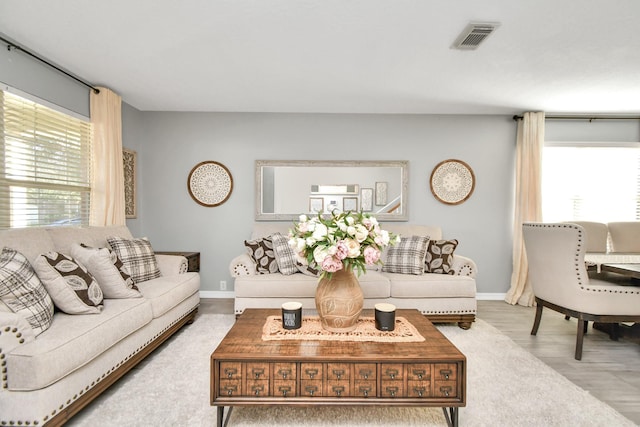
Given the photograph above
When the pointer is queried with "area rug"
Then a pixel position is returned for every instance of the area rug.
(506, 386)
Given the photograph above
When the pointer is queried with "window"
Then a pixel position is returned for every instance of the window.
(44, 165)
(591, 182)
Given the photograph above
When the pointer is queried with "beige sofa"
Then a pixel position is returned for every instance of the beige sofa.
(440, 297)
(47, 378)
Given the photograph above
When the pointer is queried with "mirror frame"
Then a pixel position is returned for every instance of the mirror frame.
(402, 164)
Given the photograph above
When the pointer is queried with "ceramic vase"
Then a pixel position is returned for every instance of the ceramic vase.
(339, 301)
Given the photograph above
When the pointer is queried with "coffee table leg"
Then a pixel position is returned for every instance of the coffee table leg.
(221, 421)
(451, 415)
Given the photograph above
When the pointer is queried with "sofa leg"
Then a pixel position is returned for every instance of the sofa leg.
(464, 325)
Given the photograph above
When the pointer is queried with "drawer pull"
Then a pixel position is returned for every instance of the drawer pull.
(230, 372)
(419, 373)
(285, 390)
(311, 372)
(419, 391)
(445, 391)
(284, 373)
(365, 373)
(257, 373)
(338, 373)
(365, 391)
(338, 390)
(392, 373)
(311, 390)
(230, 390)
(446, 373)
(392, 391)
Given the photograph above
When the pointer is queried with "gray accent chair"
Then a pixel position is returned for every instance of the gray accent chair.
(558, 276)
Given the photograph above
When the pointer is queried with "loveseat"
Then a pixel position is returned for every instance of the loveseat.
(440, 297)
(49, 373)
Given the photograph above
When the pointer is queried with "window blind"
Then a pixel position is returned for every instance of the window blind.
(44, 165)
(591, 182)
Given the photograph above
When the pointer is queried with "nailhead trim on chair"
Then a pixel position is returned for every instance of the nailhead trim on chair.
(629, 291)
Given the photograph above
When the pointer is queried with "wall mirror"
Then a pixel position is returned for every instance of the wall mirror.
(287, 188)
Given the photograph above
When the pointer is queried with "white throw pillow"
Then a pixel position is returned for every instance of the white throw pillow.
(110, 272)
(72, 288)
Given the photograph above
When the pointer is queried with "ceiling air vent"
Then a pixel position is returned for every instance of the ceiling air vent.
(474, 34)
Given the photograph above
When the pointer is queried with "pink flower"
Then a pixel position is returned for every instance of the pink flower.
(371, 255)
(342, 250)
(331, 264)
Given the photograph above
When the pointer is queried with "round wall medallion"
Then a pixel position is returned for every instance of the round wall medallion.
(452, 181)
(210, 183)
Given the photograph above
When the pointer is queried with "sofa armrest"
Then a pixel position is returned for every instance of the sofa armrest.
(14, 332)
(464, 266)
(171, 264)
(242, 265)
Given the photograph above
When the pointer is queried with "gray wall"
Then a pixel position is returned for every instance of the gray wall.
(170, 144)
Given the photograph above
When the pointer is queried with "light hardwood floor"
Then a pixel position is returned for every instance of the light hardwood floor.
(609, 370)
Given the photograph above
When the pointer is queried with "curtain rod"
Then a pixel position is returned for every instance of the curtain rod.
(590, 118)
(11, 46)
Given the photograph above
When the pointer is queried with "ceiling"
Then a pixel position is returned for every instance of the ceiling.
(342, 56)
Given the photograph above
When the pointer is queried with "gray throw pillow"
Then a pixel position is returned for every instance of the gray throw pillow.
(22, 291)
(407, 256)
(137, 256)
(285, 257)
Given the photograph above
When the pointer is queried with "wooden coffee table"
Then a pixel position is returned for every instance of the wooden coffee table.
(245, 370)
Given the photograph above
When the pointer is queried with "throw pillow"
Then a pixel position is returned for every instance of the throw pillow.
(439, 257)
(112, 276)
(22, 291)
(285, 257)
(407, 256)
(72, 288)
(137, 256)
(306, 269)
(261, 251)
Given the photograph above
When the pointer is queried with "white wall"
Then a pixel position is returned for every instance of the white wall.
(170, 144)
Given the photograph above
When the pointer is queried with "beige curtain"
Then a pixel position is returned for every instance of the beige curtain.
(530, 140)
(107, 170)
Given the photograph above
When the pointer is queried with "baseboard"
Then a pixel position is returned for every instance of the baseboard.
(490, 296)
(217, 294)
(231, 294)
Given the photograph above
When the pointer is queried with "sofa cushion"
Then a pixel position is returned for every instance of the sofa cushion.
(285, 257)
(30, 242)
(261, 252)
(72, 288)
(439, 257)
(22, 291)
(138, 256)
(431, 285)
(373, 284)
(166, 292)
(112, 276)
(95, 236)
(407, 256)
(73, 341)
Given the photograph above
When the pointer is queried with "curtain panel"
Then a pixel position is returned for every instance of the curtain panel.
(107, 170)
(529, 145)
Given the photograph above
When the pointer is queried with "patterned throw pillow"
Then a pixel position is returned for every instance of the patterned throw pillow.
(112, 276)
(308, 270)
(285, 257)
(407, 256)
(72, 288)
(261, 251)
(137, 256)
(440, 256)
(22, 291)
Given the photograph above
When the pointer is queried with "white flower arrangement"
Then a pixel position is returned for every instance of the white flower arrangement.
(339, 241)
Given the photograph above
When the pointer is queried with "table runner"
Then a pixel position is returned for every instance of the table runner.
(365, 331)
